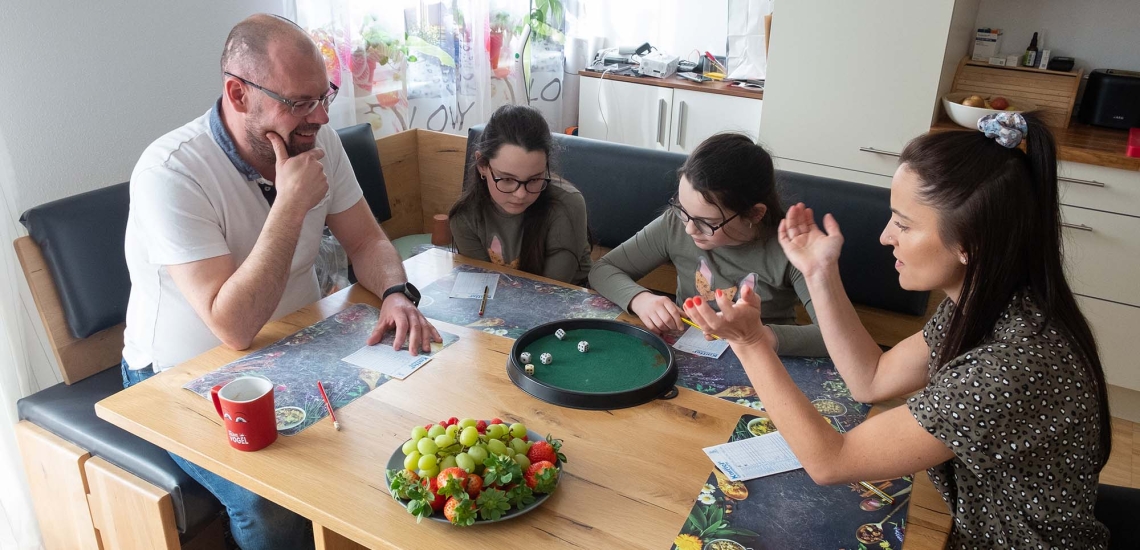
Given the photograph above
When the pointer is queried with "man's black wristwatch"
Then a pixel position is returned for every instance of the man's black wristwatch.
(407, 289)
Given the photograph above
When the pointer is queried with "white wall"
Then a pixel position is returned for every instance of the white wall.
(1098, 33)
(673, 26)
(86, 86)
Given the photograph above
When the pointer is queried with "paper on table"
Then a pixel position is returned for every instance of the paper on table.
(693, 341)
(397, 364)
(471, 285)
(753, 457)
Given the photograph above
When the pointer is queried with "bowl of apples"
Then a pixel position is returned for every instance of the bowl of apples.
(966, 108)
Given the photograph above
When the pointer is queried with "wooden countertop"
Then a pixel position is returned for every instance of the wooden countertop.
(1081, 143)
(676, 82)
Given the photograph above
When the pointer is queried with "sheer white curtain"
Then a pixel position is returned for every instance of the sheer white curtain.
(443, 65)
(18, 528)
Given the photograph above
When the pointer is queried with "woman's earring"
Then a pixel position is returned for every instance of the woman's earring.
(750, 224)
(962, 258)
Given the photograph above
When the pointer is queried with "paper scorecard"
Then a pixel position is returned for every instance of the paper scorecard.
(693, 341)
(753, 457)
(398, 364)
(471, 285)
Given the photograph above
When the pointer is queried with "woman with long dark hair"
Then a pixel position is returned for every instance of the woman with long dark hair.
(719, 232)
(1011, 412)
(511, 211)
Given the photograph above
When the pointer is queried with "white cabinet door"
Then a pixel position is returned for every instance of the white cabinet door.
(698, 115)
(848, 78)
(1099, 187)
(1102, 254)
(624, 112)
(1114, 327)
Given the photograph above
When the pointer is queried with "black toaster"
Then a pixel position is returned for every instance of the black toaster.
(1112, 98)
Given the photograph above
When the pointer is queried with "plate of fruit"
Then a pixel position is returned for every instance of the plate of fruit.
(966, 108)
(467, 472)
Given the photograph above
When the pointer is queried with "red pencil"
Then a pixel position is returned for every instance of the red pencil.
(328, 404)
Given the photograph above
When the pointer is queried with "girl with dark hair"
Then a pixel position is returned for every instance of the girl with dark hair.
(1011, 412)
(511, 211)
(719, 232)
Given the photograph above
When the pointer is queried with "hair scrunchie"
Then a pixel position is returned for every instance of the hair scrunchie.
(1008, 129)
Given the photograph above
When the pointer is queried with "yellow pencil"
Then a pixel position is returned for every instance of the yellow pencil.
(882, 496)
(696, 326)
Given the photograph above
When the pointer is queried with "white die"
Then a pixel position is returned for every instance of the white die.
(546, 358)
(529, 369)
(560, 334)
(524, 357)
(583, 346)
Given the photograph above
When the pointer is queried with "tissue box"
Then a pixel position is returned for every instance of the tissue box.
(987, 44)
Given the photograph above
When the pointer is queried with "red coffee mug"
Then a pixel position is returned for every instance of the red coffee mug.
(246, 406)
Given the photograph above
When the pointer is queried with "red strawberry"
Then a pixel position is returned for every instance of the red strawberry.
(540, 451)
(459, 512)
(496, 421)
(443, 423)
(452, 421)
(439, 501)
(428, 426)
(541, 477)
(481, 425)
(474, 485)
(452, 473)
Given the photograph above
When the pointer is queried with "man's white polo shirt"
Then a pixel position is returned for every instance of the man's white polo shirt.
(193, 198)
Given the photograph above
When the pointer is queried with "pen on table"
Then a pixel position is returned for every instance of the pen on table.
(882, 496)
(328, 404)
(696, 326)
(483, 304)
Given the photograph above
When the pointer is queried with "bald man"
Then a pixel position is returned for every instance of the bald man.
(226, 218)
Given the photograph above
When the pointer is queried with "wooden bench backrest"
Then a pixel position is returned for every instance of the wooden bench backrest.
(78, 358)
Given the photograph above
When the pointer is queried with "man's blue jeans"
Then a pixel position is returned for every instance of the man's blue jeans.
(255, 522)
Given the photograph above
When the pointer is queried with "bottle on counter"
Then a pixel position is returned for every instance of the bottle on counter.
(1030, 58)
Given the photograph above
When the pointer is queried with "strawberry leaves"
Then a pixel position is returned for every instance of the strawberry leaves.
(557, 445)
(492, 504)
(520, 495)
(500, 470)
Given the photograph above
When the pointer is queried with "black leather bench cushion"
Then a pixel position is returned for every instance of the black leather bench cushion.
(865, 265)
(69, 412)
(625, 187)
(1116, 508)
(82, 242)
(360, 145)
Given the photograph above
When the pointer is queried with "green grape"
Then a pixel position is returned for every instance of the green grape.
(497, 447)
(495, 431)
(412, 461)
(469, 436)
(448, 462)
(522, 461)
(428, 462)
(427, 446)
(464, 460)
(478, 454)
(418, 433)
(518, 445)
(444, 441)
(452, 430)
(409, 446)
(434, 471)
(436, 431)
(518, 430)
(467, 423)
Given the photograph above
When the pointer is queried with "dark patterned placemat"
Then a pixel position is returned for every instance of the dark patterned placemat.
(296, 362)
(789, 510)
(520, 304)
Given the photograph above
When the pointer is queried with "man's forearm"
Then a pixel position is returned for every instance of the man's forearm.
(247, 300)
(378, 267)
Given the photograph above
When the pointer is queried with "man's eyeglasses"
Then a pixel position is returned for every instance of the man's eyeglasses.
(301, 107)
(705, 228)
(510, 185)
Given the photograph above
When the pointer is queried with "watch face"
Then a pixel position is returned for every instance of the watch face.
(412, 293)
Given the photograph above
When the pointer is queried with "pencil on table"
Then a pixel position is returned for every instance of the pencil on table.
(336, 425)
(698, 327)
(483, 304)
(882, 496)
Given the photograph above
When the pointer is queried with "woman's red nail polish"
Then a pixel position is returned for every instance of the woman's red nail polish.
(688, 302)
(697, 301)
(719, 293)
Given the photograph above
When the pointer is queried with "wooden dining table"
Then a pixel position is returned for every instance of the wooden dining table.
(630, 482)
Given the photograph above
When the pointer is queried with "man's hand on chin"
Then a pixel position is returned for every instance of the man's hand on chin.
(397, 312)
